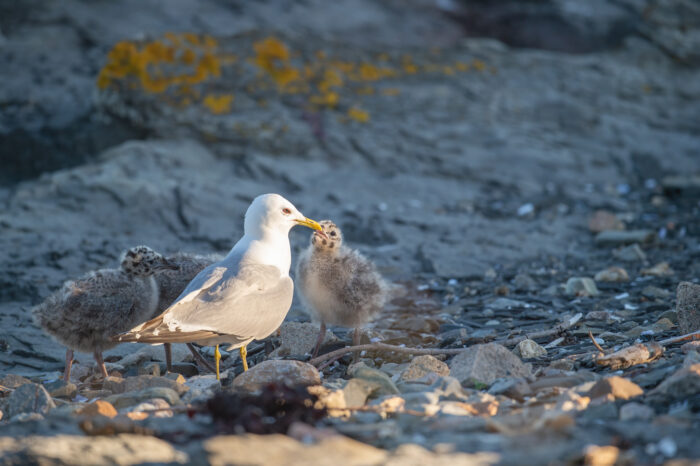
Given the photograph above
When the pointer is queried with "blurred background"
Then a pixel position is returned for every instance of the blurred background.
(450, 139)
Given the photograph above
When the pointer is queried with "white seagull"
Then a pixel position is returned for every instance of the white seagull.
(243, 297)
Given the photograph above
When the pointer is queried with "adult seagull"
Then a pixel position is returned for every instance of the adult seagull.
(243, 297)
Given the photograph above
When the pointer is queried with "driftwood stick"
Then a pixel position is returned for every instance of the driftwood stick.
(595, 343)
(542, 333)
(384, 347)
(689, 336)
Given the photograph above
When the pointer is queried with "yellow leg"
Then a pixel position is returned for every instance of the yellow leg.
(244, 352)
(217, 358)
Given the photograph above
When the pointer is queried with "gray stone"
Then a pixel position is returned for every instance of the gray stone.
(581, 286)
(615, 238)
(524, 282)
(529, 349)
(681, 385)
(662, 269)
(615, 388)
(127, 399)
(504, 304)
(130, 384)
(275, 370)
(379, 382)
(201, 386)
(512, 387)
(29, 398)
(299, 338)
(150, 368)
(602, 220)
(61, 389)
(612, 274)
(483, 364)
(14, 381)
(420, 366)
(636, 411)
(123, 449)
(688, 307)
(631, 253)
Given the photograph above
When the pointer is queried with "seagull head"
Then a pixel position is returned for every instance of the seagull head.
(274, 213)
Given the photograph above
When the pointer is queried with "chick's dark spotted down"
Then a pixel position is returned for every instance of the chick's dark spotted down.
(84, 313)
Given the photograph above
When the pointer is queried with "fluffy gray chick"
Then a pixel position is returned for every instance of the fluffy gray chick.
(339, 286)
(86, 312)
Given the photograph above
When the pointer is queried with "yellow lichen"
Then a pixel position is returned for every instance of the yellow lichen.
(218, 104)
(358, 114)
(391, 91)
(479, 65)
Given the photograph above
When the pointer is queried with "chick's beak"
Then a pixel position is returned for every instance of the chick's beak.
(307, 222)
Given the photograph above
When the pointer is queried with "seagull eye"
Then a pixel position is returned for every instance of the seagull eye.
(286, 211)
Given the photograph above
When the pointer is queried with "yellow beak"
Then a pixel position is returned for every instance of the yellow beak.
(307, 222)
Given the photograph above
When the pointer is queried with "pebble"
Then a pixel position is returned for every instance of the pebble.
(483, 364)
(277, 370)
(527, 349)
(124, 400)
(61, 389)
(98, 408)
(614, 238)
(615, 388)
(598, 315)
(603, 220)
(420, 366)
(681, 385)
(201, 386)
(662, 269)
(636, 411)
(14, 381)
(28, 398)
(612, 274)
(130, 384)
(581, 286)
(688, 307)
(299, 338)
(524, 282)
(631, 253)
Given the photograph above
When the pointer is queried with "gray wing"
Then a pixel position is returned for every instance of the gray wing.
(250, 303)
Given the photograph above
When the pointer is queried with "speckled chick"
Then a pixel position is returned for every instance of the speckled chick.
(171, 283)
(84, 313)
(338, 285)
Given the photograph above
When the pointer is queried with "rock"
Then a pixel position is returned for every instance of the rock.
(28, 398)
(299, 338)
(423, 365)
(512, 387)
(136, 412)
(598, 315)
(602, 220)
(149, 368)
(280, 449)
(130, 384)
(524, 282)
(483, 364)
(615, 238)
(379, 382)
(97, 408)
(14, 381)
(275, 370)
(654, 292)
(662, 269)
(505, 304)
(632, 253)
(581, 286)
(636, 411)
(61, 389)
(683, 384)
(595, 455)
(529, 349)
(688, 307)
(187, 369)
(156, 353)
(615, 388)
(123, 449)
(127, 399)
(691, 346)
(201, 386)
(612, 274)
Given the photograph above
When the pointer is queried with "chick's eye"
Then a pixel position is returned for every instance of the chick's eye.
(332, 233)
(286, 211)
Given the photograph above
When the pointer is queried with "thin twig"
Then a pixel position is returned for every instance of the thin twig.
(595, 343)
(384, 347)
(689, 336)
(543, 333)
